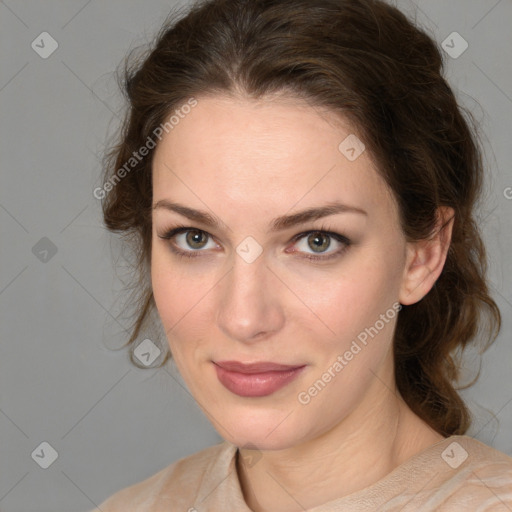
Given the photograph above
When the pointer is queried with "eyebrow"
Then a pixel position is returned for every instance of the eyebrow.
(278, 224)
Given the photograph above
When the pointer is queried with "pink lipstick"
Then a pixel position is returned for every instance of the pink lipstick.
(255, 379)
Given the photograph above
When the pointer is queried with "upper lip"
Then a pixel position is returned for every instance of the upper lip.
(258, 367)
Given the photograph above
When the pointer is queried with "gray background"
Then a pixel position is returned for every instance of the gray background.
(111, 423)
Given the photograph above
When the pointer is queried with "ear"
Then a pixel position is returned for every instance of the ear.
(425, 259)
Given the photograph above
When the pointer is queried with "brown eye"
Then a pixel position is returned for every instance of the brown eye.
(196, 239)
(319, 241)
(314, 245)
(188, 241)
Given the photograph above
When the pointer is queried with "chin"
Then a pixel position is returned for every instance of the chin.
(270, 429)
(257, 440)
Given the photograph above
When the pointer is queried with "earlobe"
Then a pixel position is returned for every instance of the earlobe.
(426, 258)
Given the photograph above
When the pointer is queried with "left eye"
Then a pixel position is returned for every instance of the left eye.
(319, 242)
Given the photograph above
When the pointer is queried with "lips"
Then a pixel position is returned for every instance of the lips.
(261, 367)
(255, 379)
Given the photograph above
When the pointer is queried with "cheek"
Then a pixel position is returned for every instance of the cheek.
(182, 301)
(362, 311)
(174, 290)
(349, 300)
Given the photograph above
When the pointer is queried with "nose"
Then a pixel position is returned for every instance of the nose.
(249, 306)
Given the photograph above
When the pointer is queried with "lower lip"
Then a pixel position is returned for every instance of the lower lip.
(256, 384)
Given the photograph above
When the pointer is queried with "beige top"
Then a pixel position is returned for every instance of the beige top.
(456, 474)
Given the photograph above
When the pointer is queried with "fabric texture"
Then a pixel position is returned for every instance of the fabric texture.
(456, 474)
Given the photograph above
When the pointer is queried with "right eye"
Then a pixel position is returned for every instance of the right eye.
(187, 241)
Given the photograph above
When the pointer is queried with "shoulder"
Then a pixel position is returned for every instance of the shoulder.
(178, 481)
(471, 455)
(457, 473)
(474, 475)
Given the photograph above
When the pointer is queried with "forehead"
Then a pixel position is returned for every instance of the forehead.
(267, 154)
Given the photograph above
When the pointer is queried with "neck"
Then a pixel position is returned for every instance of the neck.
(362, 449)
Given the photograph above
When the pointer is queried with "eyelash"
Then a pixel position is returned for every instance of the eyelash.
(178, 229)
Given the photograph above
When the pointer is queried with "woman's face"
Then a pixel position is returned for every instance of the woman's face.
(249, 292)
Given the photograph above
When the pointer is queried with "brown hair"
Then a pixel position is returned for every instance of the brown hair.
(364, 60)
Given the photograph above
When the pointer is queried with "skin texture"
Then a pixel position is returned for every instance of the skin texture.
(247, 162)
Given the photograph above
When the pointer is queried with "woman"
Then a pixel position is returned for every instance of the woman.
(301, 182)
